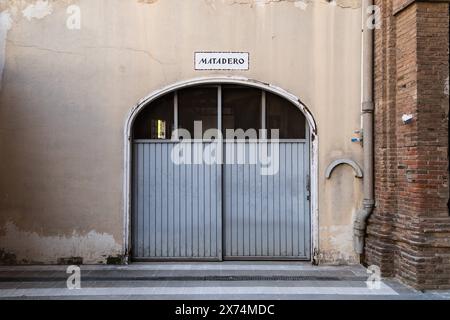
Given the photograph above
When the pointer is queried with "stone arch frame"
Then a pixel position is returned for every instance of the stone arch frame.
(314, 143)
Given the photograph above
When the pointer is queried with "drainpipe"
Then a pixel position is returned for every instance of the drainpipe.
(359, 228)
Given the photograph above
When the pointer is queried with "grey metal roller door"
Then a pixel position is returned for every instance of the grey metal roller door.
(267, 216)
(177, 209)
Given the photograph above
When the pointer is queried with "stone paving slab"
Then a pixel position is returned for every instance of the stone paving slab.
(212, 284)
(148, 282)
(171, 266)
(188, 291)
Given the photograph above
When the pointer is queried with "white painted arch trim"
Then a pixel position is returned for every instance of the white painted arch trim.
(314, 139)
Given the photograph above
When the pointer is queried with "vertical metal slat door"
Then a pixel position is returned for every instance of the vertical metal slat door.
(177, 209)
(267, 216)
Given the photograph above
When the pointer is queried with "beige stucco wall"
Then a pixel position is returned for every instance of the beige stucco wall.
(65, 96)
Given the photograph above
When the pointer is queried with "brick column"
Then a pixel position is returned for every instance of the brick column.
(380, 245)
(409, 232)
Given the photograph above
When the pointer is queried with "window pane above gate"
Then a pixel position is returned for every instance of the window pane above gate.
(197, 104)
(241, 109)
(283, 115)
(156, 120)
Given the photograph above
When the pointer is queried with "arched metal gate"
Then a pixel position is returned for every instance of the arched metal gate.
(236, 210)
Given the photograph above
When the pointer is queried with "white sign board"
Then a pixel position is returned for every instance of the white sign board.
(222, 61)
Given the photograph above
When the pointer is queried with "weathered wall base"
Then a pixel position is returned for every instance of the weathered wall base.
(88, 248)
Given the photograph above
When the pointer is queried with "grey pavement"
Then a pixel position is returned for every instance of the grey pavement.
(205, 281)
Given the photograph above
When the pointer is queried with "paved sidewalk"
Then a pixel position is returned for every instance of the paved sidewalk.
(191, 281)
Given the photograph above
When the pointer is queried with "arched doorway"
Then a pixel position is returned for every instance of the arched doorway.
(219, 211)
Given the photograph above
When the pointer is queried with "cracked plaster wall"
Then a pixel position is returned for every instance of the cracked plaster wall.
(66, 93)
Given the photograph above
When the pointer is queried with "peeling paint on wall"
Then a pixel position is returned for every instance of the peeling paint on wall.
(16, 6)
(148, 1)
(5, 25)
(39, 10)
(300, 3)
(353, 4)
(7, 258)
(28, 247)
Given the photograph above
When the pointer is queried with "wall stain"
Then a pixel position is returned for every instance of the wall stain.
(301, 4)
(7, 258)
(38, 10)
(353, 4)
(115, 260)
(148, 1)
(70, 261)
(17, 6)
(90, 247)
